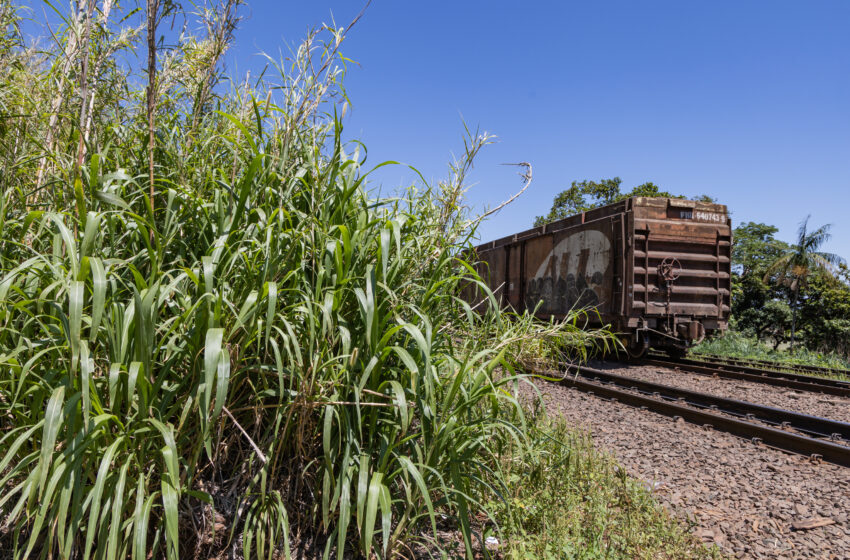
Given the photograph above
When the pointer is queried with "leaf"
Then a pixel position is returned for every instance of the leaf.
(367, 528)
(141, 516)
(52, 423)
(222, 382)
(97, 493)
(209, 271)
(169, 451)
(401, 404)
(98, 295)
(111, 198)
(362, 487)
(114, 380)
(68, 239)
(75, 321)
(92, 226)
(386, 515)
(86, 369)
(132, 381)
(117, 509)
(212, 355)
(169, 505)
(271, 288)
(423, 489)
(344, 513)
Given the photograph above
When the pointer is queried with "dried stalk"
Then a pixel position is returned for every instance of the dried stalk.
(526, 176)
(153, 10)
(107, 8)
(69, 52)
(222, 33)
(256, 448)
(84, 71)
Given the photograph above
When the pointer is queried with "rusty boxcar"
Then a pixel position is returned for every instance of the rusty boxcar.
(656, 269)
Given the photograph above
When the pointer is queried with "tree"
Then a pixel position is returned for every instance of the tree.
(825, 312)
(798, 261)
(587, 195)
(755, 249)
(758, 308)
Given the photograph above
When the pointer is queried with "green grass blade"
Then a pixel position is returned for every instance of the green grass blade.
(367, 528)
(97, 493)
(98, 295)
(75, 321)
(52, 423)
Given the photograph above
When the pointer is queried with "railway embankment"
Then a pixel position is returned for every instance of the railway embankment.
(750, 500)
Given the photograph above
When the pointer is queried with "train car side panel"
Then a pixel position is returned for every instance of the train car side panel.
(656, 270)
(573, 268)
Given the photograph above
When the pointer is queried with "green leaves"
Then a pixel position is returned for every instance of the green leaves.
(367, 528)
(52, 423)
(271, 336)
(216, 375)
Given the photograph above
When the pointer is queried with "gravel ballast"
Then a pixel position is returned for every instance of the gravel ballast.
(751, 501)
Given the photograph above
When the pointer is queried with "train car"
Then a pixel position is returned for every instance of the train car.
(657, 270)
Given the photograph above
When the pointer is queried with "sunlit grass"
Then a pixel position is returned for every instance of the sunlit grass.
(565, 499)
(264, 351)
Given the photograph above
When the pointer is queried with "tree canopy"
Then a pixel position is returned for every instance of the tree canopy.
(759, 310)
(798, 261)
(764, 285)
(587, 195)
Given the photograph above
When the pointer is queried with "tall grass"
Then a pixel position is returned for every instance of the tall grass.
(260, 357)
(592, 509)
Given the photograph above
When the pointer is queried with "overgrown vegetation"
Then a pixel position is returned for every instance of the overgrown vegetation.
(567, 500)
(735, 344)
(765, 294)
(213, 341)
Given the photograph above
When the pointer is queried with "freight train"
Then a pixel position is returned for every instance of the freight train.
(656, 270)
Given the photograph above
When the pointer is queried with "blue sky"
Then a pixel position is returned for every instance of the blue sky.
(748, 102)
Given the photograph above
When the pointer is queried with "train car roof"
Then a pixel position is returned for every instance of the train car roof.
(619, 207)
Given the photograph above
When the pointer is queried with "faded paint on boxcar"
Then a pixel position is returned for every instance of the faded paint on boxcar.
(574, 273)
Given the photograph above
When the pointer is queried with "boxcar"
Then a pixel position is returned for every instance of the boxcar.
(656, 270)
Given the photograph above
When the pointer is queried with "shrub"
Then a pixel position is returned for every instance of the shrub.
(249, 348)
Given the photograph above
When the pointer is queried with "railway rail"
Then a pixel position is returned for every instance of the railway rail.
(788, 380)
(772, 365)
(782, 429)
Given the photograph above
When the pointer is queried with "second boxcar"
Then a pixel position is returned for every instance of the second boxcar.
(657, 270)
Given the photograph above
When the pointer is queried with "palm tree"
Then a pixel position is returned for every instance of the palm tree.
(801, 259)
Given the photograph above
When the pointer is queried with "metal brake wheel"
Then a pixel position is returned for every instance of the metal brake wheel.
(669, 269)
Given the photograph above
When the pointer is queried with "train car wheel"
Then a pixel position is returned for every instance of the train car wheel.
(636, 351)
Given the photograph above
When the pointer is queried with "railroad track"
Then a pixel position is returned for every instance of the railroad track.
(772, 365)
(783, 429)
(789, 380)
